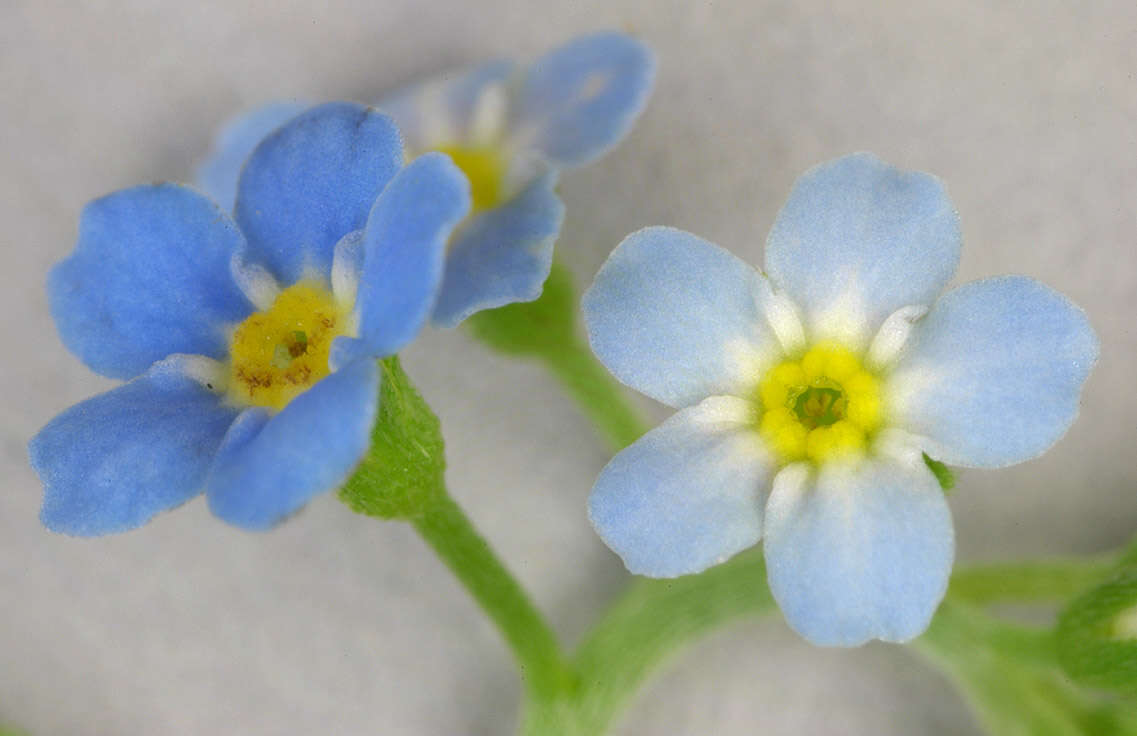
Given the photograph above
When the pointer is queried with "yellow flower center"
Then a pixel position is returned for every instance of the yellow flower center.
(821, 406)
(485, 168)
(279, 353)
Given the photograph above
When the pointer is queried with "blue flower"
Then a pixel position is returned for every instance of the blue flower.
(248, 342)
(510, 132)
(808, 395)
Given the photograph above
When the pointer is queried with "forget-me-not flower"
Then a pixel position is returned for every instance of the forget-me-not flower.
(248, 342)
(510, 130)
(809, 394)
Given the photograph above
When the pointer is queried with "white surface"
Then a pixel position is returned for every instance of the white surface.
(337, 624)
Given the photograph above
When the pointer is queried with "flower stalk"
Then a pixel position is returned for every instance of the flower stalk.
(546, 330)
(448, 531)
(654, 620)
(402, 478)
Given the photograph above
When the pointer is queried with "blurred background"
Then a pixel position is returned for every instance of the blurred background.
(338, 624)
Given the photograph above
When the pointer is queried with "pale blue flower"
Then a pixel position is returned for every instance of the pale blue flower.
(511, 131)
(809, 394)
(248, 342)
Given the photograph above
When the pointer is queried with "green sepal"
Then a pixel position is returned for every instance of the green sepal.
(402, 474)
(541, 327)
(1097, 634)
(942, 472)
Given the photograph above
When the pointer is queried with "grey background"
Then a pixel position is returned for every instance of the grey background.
(339, 624)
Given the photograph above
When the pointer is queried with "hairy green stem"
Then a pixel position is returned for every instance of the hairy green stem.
(449, 532)
(546, 329)
(995, 662)
(403, 477)
(599, 395)
(1009, 674)
(655, 619)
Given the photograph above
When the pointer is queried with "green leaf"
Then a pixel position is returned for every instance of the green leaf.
(1097, 634)
(403, 473)
(942, 472)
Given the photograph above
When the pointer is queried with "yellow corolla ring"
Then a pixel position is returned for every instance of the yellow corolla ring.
(818, 407)
(485, 167)
(279, 353)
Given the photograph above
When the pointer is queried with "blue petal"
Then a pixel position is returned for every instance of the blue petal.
(267, 468)
(579, 100)
(863, 554)
(148, 278)
(313, 181)
(502, 255)
(859, 239)
(686, 495)
(442, 106)
(218, 174)
(113, 461)
(404, 250)
(678, 318)
(993, 375)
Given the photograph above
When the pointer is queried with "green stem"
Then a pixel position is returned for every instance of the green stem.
(447, 529)
(655, 619)
(546, 329)
(1010, 676)
(1027, 582)
(998, 663)
(647, 626)
(403, 477)
(599, 395)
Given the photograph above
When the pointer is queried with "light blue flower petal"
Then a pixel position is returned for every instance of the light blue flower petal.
(858, 554)
(268, 468)
(218, 174)
(579, 100)
(453, 98)
(115, 460)
(686, 495)
(311, 182)
(404, 251)
(148, 278)
(678, 318)
(859, 239)
(502, 255)
(993, 374)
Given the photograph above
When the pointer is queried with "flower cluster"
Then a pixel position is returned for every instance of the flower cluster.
(816, 401)
(249, 339)
(812, 396)
(510, 131)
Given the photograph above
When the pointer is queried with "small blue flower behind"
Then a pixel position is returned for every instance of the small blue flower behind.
(249, 343)
(510, 131)
(808, 396)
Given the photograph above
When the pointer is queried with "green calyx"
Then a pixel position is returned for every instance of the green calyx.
(402, 475)
(942, 472)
